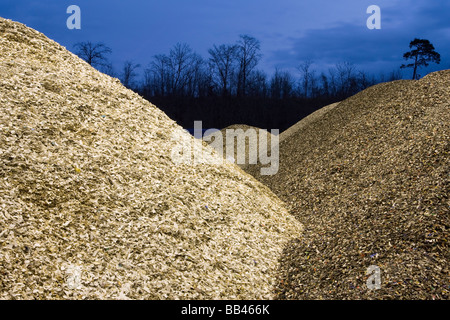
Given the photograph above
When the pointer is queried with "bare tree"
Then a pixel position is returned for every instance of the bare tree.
(129, 73)
(332, 83)
(181, 58)
(179, 62)
(307, 75)
(92, 53)
(345, 76)
(281, 85)
(223, 59)
(325, 85)
(257, 84)
(148, 83)
(363, 80)
(205, 84)
(159, 67)
(182, 72)
(248, 54)
(194, 75)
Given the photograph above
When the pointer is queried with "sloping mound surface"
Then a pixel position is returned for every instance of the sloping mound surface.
(370, 181)
(243, 135)
(92, 204)
(308, 119)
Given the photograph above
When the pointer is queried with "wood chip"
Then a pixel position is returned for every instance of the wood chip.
(92, 206)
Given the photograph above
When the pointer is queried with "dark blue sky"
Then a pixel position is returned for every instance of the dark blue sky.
(290, 31)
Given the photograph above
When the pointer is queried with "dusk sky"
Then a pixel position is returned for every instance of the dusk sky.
(290, 31)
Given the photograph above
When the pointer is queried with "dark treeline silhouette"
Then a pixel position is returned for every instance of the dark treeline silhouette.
(227, 88)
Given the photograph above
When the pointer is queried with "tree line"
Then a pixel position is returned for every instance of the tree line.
(227, 87)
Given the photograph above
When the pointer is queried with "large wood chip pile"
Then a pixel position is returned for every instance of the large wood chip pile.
(92, 205)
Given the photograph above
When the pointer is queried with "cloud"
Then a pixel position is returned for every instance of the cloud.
(371, 50)
(346, 42)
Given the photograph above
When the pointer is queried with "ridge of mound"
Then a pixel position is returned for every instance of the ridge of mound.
(369, 180)
(306, 120)
(92, 205)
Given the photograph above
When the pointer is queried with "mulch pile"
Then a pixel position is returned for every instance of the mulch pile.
(243, 134)
(93, 205)
(369, 180)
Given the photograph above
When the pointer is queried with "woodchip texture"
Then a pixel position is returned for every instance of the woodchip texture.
(369, 180)
(92, 205)
(306, 120)
(250, 146)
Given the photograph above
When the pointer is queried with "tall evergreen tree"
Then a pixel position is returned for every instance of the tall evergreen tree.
(422, 53)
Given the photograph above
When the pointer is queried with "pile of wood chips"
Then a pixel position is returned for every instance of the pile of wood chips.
(244, 133)
(92, 205)
(369, 179)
